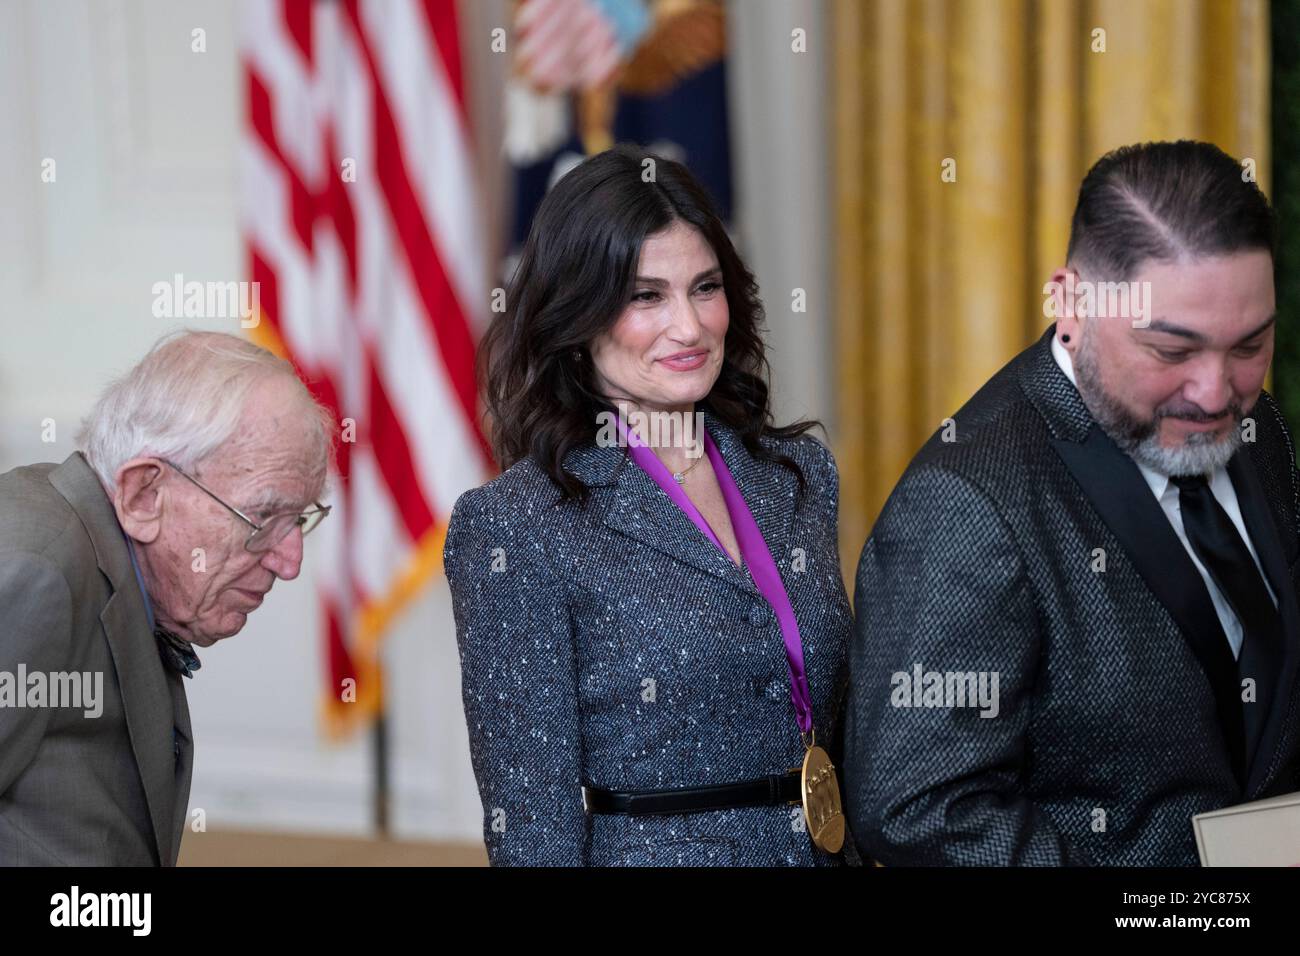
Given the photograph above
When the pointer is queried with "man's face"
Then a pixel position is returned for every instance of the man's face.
(202, 580)
(1173, 394)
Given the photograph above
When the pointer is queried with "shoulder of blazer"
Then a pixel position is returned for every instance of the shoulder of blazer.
(1015, 415)
(813, 456)
(1268, 413)
(521, 491)
(1002, 430)
(521, 502)
(77, 482)
(35, 518)
(995, 425)
(1274, 448)
(806, 449)
(32, 513)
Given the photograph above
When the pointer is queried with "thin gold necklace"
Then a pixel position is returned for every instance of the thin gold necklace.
(680, 476)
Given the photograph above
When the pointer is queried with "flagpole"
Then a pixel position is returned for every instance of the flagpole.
(379, 734)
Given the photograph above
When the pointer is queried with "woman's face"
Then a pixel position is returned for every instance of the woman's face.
(665, 350)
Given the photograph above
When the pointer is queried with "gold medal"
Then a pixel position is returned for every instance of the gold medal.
(821, 800)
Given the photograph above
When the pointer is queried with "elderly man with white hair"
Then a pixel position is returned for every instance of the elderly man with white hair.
(199, 473)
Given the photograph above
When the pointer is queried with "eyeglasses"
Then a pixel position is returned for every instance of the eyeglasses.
(274, 529)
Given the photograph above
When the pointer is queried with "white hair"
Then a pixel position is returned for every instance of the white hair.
(184, 400)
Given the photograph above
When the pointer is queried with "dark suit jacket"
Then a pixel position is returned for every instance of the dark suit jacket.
(616, 646)
(1117, 687)
(107, 790)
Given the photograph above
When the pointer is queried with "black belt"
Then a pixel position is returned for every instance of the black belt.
(770, 791)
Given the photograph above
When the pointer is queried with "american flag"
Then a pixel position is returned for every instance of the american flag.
(362, 229)
(566, 44)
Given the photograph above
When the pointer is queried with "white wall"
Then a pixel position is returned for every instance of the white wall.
(143, 134)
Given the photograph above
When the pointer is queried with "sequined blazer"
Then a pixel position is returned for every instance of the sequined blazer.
(613, 645)
(1027, 545)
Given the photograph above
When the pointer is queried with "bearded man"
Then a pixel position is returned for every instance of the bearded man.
(1107, 537)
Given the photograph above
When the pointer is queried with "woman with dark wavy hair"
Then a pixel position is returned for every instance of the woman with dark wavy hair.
(652, 622)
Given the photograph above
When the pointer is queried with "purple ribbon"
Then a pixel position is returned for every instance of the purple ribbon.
(753, 548)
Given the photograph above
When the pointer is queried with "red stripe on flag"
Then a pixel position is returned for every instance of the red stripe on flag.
(451, 331)
(320, 385)
(323, 388)
(261, 115)
(441, 15)
(297, 20)
(394, 457)
(385, 433)
(268, 292)
(340, 210)
(338, 660)
(354, 617)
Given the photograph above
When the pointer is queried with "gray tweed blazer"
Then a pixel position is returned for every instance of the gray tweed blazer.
(614, 645)
(106, 790)
(1108, 734)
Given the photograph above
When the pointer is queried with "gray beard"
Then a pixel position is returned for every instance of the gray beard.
(1199, 454)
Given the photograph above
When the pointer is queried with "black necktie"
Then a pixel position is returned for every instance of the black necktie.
(1221, 549)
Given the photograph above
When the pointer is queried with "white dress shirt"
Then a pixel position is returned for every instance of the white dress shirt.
(1166, 493)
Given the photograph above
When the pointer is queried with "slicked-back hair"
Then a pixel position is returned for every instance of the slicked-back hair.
(1166, 202)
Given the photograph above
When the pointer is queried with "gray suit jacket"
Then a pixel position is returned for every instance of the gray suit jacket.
(616, 646)
(106, 790)
(1031, 547)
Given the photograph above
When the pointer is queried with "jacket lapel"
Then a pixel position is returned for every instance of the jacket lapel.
(1121, 497)
(638, 508)
(146, 698)
(184, 761)
(1264, 730)
(768, 488)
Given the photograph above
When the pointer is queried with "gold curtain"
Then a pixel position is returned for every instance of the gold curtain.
(939, 284)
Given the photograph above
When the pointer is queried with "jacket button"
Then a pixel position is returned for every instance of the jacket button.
(757, 616)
